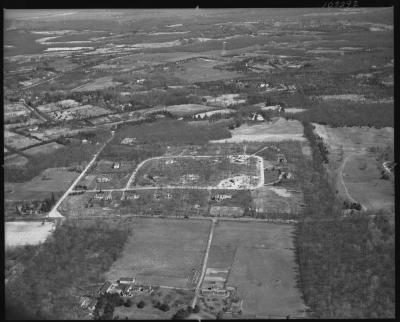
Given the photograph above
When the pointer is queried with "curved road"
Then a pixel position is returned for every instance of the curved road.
(341, 177)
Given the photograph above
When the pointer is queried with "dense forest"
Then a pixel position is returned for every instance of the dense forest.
(346, 264)
(172, 132)
(58, 272)
(345, 114)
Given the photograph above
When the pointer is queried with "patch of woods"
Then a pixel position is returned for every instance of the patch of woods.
(172, 132)
(345, 114)
(58, 272)
(316, 142)
(346, 264)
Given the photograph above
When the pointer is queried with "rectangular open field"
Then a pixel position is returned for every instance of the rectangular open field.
(262, 266)
(187, 109)
(162, 252)
(12, 111)
(97, 84)
(224, 172)
(202, 70)
(45, 148)
(277, 130)
(20, 233)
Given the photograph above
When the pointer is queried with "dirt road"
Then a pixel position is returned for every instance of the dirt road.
(205, 259)
(341, 177)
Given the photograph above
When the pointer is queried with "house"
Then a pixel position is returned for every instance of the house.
(98, 196)
(104, 288)
(281, 158)
(103, 179)
(88, 303)
(116, 165)
(84, 141)
(256, 117)
(219, 198)
(126, 280)
(131, 197)
(142, 289)
(128, 141)
(215, 290)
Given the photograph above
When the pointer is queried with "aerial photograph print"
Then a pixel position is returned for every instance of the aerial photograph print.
(199, 163)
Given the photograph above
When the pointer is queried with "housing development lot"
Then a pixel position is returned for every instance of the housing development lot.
(199, 164)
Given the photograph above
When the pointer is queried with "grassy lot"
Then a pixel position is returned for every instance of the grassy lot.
(162, 252)
(20, 233)
(97, 84)
(202, 70)
(361, 176)
(361, 173)
(187, 109)
(45, 148)
(262, 266)
(50, 180)
(18, 141)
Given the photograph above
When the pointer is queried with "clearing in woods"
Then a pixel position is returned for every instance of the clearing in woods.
(20, 233)
(277, 130)
(357, 170)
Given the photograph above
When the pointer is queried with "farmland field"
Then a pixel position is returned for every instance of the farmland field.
(12, 111)
(98, 84)
(51, 180)
(15, 160)
(276, 200)
(187, 109)
(262, 266)
(162, 252)
(45, 148)
(202, 70)
(18, 141)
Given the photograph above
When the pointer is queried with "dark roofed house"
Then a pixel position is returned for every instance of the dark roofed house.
(104, 288)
